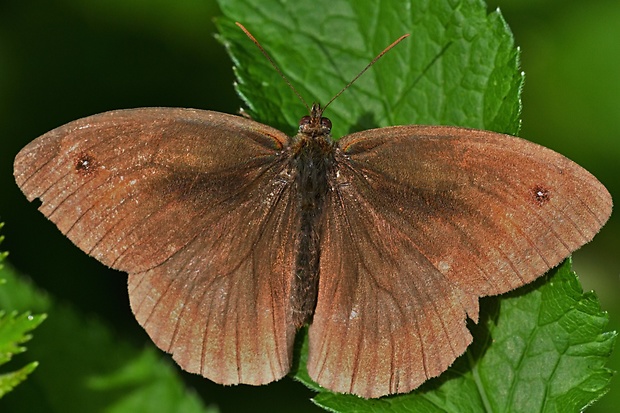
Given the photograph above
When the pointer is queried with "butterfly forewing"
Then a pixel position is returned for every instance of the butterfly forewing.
(419, 223)
(112, 182)
(198, 207)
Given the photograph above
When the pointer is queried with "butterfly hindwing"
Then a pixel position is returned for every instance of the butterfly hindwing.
(419, 223)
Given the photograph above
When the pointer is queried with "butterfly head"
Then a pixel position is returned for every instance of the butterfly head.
(315, 124)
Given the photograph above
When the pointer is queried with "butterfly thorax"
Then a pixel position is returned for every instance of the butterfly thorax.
(312, 160)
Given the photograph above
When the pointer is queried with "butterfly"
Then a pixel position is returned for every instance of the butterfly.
(234, 235)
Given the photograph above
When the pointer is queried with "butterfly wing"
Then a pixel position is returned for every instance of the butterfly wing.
(420, 223)
(195, 207)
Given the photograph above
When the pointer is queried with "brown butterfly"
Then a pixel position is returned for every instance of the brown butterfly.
(235, 235)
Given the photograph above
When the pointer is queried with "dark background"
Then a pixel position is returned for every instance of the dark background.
(62, 60)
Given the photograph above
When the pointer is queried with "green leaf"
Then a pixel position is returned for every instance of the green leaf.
(84, 368)
(546, 349)
(459, 67)
(14, 329)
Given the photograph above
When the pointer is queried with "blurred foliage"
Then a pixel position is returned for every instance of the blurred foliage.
(64, 59)
(14, 333)
(83, 368)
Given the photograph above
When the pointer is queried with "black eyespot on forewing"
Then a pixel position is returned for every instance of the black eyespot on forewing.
(540, 194)
(85, 164)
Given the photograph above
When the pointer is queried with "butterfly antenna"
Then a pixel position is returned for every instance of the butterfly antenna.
(379, 56)
(247, 33)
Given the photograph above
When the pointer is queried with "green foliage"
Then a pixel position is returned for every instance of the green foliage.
(14, 329)
(83, 367)
(536, 350)
(459, 67)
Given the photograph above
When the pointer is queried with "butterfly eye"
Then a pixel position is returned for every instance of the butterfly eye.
(326, 124)
(304, 121)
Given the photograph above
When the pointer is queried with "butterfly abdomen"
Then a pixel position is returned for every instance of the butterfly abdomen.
(312, 160)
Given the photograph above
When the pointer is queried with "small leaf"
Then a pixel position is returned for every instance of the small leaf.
(9, 381)
(14, 329)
